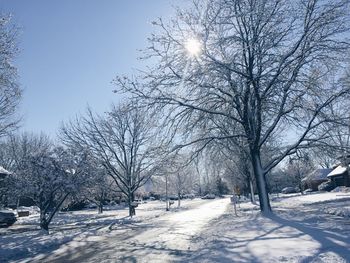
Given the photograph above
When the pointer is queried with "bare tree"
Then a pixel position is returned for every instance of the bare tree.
(261, 65)
(238, 169)
(335, 145)
(44, 181)
(180, 173)
(85, 174)
(212, 168)
(10, 93)
(19, 147)
(123, 141)
(13, 153)
(299, 166)
(98, 186)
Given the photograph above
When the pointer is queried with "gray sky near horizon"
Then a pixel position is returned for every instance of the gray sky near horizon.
(70, 51)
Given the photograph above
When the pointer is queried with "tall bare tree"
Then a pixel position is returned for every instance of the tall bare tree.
(263, 66)
(10, 92)
(123, 141)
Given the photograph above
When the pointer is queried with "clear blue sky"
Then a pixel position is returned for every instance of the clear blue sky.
(72, 49)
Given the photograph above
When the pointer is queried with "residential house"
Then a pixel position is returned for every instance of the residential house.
(340, 176)
(315, 178)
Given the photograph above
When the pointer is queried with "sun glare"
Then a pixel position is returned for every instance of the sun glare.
(193, 47)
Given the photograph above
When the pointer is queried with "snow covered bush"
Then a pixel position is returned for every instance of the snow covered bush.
(326, 186)
(42, 173)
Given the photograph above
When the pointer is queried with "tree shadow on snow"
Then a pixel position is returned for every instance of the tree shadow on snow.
(225, 240)
(222, 246)
(123, 248)
(329, 241)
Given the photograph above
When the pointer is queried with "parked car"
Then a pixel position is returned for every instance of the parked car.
(289, 190)
(189, 196)
(7, 218)
(208, 196)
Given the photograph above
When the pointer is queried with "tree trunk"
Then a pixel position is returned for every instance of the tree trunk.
(100, 207)
(199, 182)
(100, 202)
(131, 198)
(301, 187)
(300, 182)
(178, 199)
(251, 187)
(131, 211)
(166, 194)
(44, 224)
(259, 174)
(46, 220)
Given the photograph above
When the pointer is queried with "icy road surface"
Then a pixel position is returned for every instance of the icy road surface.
(162, 238)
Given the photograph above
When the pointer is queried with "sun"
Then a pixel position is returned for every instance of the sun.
(193, 47)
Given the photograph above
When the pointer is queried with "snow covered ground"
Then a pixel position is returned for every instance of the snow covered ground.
(303, 229)
(299, 231)
(75, 231)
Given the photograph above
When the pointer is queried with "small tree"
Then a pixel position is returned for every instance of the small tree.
(299, 166)
(221, 186)
(98, 187)
(42, 173)
(180, 173)
(46, 182)
(15, 152)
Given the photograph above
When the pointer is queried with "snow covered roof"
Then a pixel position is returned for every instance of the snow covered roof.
(318, 174)
(337, 171)
(3, 170)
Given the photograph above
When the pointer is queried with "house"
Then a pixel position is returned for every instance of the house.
(340, 176)
(315, 178)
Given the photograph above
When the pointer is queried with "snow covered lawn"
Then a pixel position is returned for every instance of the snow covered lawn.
(302, 230)
(299, 231)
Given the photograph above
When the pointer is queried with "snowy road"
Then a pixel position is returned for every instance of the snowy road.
(160, 239)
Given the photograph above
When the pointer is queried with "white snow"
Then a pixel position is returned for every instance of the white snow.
(337, 171)
(303, 229)
(299, 231)
(3, 170)
(312, 198)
